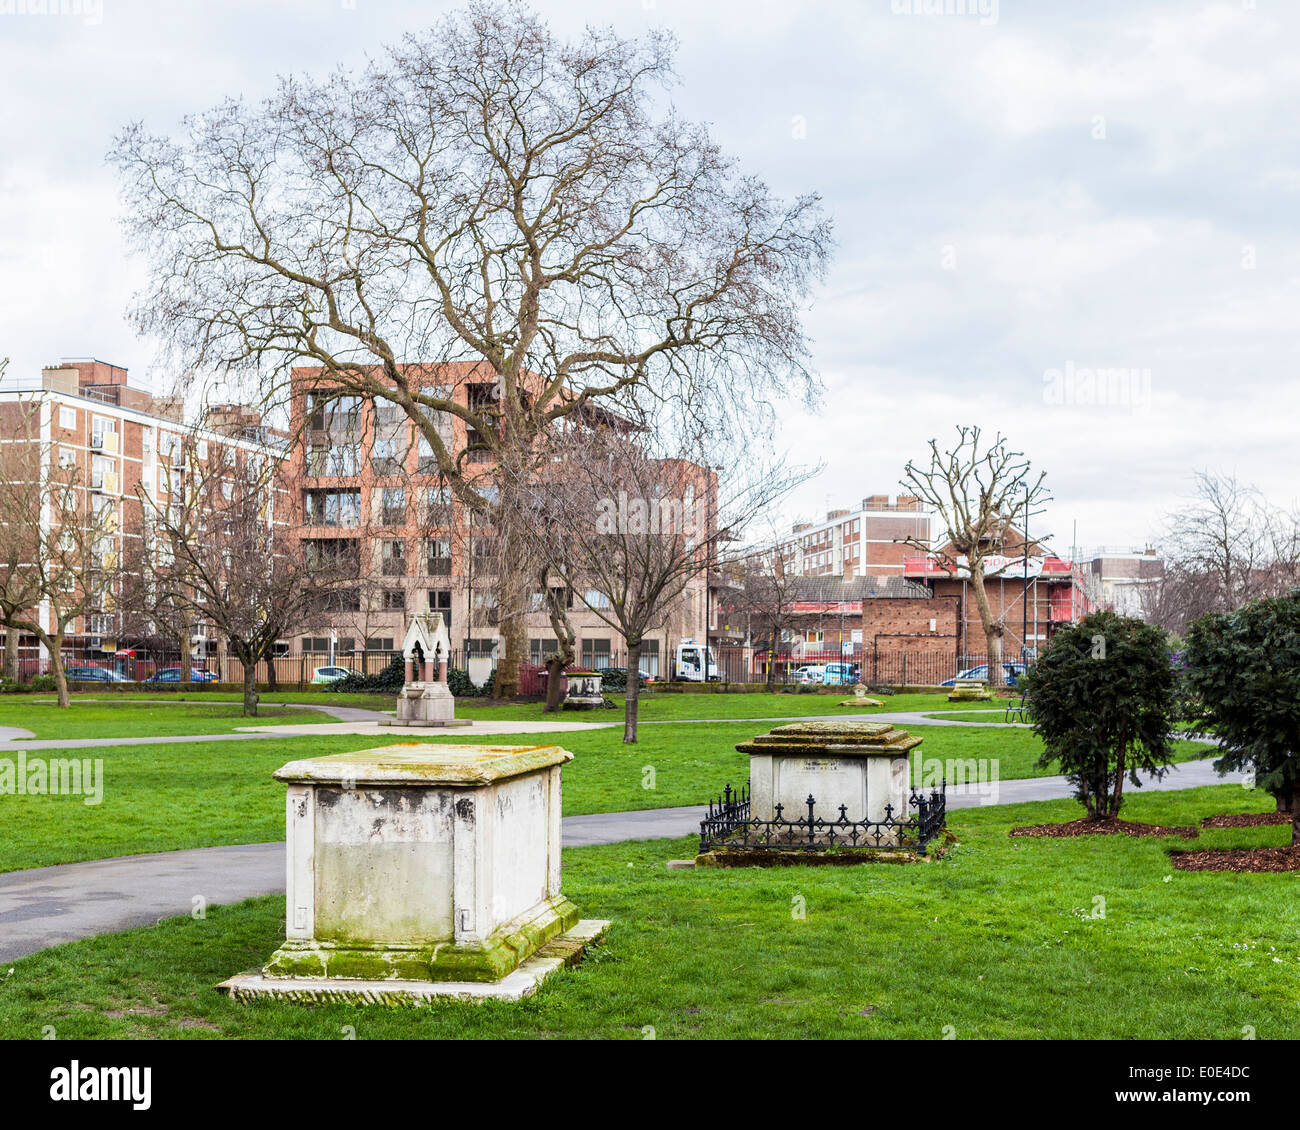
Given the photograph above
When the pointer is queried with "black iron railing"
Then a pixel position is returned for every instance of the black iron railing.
(730, 825)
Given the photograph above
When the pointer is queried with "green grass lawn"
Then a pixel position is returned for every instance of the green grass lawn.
(205, 794)
(659, 707)
(112, 719)
(997, 940)
(172, 692)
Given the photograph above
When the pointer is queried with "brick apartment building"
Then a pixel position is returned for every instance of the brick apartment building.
(908, 604)
(366, 486)
(113, 439)
(862, 542)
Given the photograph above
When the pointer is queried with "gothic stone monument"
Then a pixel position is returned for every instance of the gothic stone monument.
(425, 699)
(422, 871)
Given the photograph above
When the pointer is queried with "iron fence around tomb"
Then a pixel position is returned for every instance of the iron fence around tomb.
(730, 825)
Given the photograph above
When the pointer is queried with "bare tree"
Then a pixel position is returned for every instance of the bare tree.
(58, 551)
(484, 193)
(1223, 536)
(978, 491)
(764, 593)
(235, 563)
(1225, 546)
(627, 519)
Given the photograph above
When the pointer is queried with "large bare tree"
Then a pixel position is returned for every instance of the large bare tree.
(978, 490)
(484, 192)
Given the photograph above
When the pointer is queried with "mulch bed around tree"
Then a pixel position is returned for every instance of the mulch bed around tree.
(1246, 820)
(1254, 859)
(1086, 827)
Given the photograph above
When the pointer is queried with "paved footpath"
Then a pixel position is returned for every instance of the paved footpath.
(46, 906)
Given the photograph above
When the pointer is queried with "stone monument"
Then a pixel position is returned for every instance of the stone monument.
(422, 871)
(969, 690)
(860, 698)
(860, 765)
(425, 699)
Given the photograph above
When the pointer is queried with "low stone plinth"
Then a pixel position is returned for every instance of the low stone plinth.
(422, 863)
(969, 690)
(862, 766)
(566, 949)
(426, 704)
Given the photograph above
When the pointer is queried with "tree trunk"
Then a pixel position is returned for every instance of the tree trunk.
(272, 681)
(60, 675)
(633, 692)
(250, 686)
(11, 654)
(1117, 797)
(992, 626)
(554, 677)
(187, 658)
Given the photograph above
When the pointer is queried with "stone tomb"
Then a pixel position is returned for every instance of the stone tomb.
(418, 871)
(425, 699)
(860, 765)
(969, 690)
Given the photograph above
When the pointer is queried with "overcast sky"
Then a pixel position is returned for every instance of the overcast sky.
(1021, 194)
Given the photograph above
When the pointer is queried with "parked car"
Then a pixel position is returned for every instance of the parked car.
(1011, 672)
(814, 673)
(327, 675)
(95, 675)
(173, 675)
(840, 674)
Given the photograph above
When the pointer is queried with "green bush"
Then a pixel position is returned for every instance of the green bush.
(1244, 670)
(1102, 698)
(388, 681)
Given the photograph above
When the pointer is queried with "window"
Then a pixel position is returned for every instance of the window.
(594, 599)
(379, 643)
(315, 644)
(394, 600)
(477, 447)
(483, 549)
(485, 607)
(334, 554)
(392, 511)
(539, 648)
(333, 459)
(437, 506)
(649, 662)
(67, 417)
(595, 654)
(437, 557)
(332, 507)
(99, 428)
(203, 449)
(67, 457)
(393, 557)
(440, 601)
(387, 456)
(480, 648)
(333, 413)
